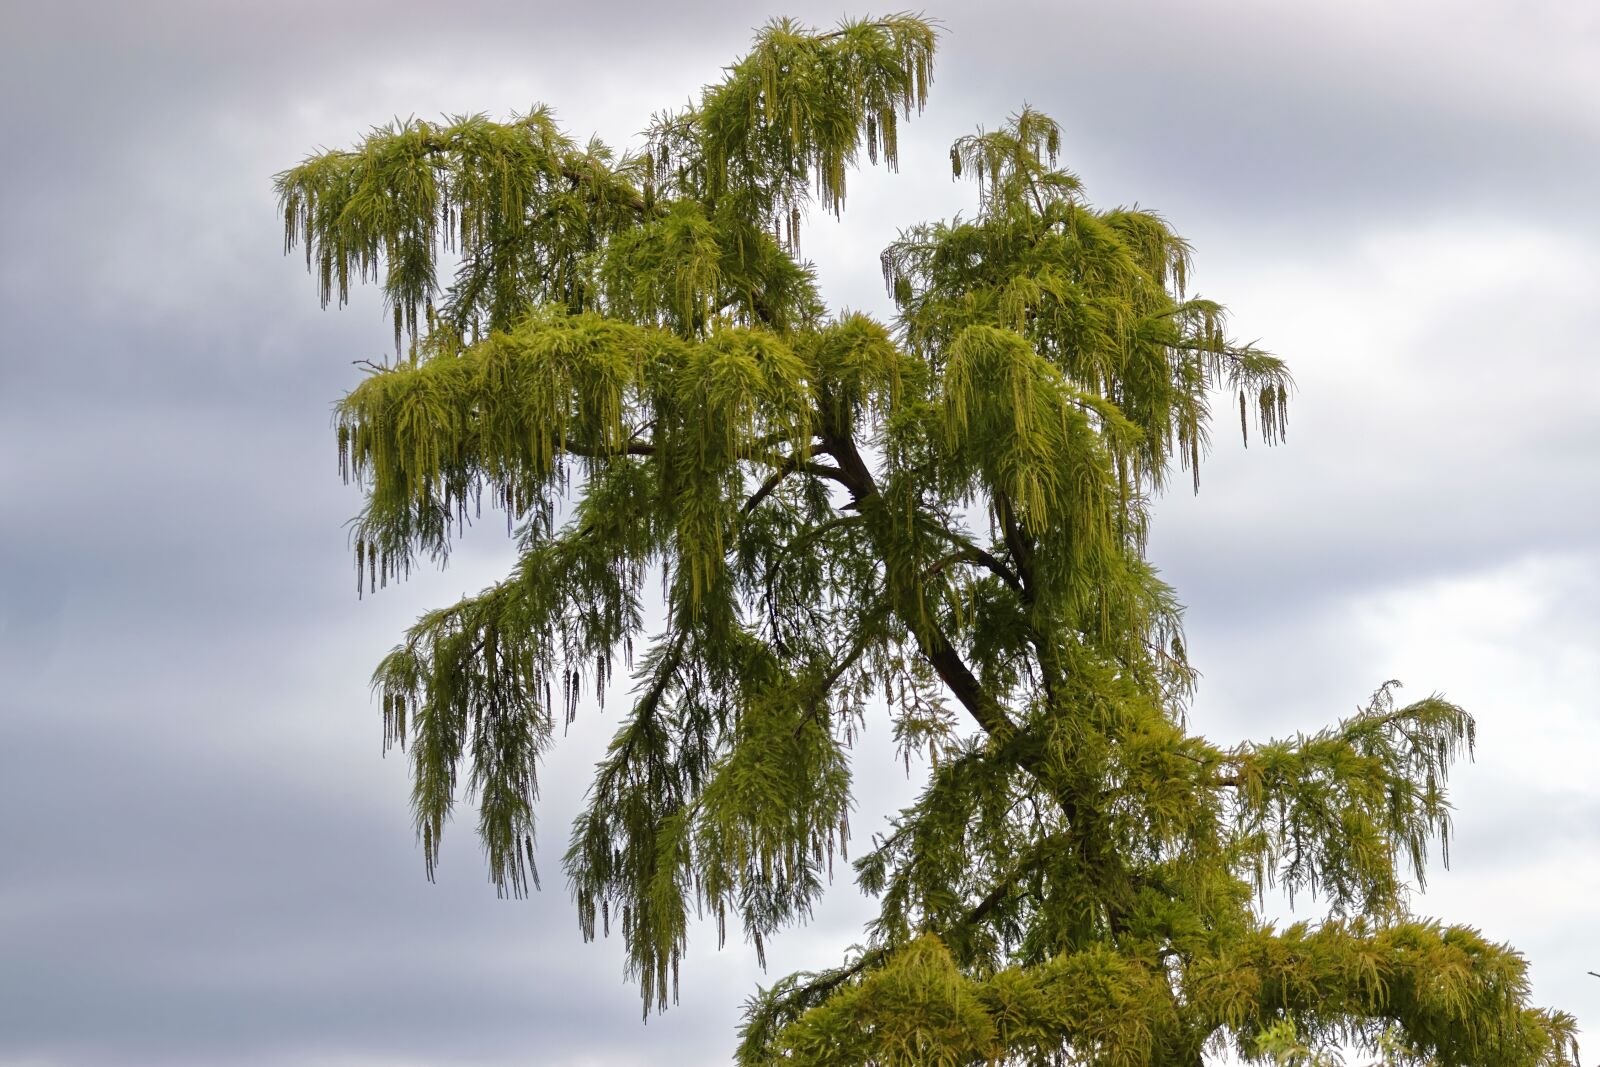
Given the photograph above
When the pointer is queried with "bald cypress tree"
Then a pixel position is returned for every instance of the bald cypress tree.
(933, 525)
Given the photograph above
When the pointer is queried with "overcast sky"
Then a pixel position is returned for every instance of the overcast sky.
(203, 860)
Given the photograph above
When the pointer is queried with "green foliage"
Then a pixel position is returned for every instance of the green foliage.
(939, 521)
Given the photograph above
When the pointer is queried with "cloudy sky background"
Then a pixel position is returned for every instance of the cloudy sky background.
(202, 857)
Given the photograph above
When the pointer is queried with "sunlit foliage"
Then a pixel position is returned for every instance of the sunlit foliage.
(934, 525)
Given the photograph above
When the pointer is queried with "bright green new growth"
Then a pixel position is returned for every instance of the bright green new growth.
(940, 519)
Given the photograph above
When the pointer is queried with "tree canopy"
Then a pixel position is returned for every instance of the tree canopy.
(934, 525)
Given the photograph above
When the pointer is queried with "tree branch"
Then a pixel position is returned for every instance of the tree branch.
(588, 451)
(764, 491)
(856, 476)
(967, 552)
(1017, 543)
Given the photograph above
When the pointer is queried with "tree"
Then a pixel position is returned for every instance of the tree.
(939, 521)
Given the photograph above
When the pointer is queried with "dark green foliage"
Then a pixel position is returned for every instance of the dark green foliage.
(940, 521)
